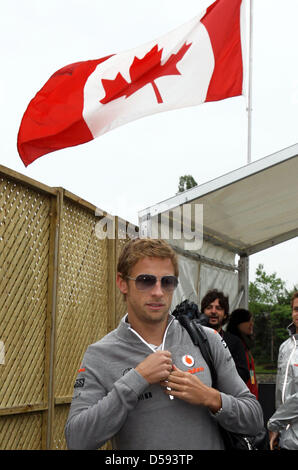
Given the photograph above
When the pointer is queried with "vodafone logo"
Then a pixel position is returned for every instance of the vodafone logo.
(188, 360)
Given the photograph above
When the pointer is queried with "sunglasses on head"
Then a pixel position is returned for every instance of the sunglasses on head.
(148, 281)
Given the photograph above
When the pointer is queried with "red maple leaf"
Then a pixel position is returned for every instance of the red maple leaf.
(142, 72)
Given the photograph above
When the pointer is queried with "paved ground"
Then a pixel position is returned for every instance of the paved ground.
(266, 378)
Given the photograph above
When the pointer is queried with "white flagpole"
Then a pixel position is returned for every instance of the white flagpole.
(249, 104)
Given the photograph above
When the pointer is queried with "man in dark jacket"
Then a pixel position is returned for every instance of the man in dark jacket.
(216, 306)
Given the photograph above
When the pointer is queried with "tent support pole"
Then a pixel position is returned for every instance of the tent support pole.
(243, 280)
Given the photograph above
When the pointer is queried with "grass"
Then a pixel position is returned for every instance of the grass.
(265, 369)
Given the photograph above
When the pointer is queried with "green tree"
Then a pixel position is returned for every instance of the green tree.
(186, 182)
(267, 288)
(269, 301)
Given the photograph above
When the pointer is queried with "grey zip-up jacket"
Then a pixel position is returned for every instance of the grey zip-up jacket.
(113, 401)
(285, 419)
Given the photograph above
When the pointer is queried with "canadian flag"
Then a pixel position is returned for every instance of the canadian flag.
(198, 62)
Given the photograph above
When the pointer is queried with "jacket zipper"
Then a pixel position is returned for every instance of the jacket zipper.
(287, 371)
(152, 349)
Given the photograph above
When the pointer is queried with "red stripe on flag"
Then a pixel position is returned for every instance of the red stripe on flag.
(53, 119)
(222, 21)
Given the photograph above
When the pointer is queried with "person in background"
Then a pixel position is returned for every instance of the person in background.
(241, 324)
(283, 424)
(216, 306)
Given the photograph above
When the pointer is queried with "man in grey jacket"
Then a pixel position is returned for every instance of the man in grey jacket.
(283, 425)
(146, 385)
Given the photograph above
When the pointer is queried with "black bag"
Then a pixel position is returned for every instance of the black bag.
(191, 319)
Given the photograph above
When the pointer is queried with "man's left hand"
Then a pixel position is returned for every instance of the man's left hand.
(191, 389)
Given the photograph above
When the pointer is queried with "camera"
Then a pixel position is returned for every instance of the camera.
(186, 311)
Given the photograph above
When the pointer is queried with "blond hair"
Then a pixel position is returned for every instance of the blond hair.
(140, 248)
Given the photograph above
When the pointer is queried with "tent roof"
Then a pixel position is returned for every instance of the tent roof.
(249, 209)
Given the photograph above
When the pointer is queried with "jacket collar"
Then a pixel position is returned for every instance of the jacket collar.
(124, 329)
(291, 329)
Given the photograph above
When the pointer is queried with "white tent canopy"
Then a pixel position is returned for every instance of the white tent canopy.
(244, 212)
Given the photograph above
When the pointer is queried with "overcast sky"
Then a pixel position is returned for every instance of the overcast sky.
(139, 164)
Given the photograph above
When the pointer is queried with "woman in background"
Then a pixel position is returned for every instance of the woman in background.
(241, 324)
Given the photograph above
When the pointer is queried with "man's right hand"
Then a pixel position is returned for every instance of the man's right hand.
(156, 367)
